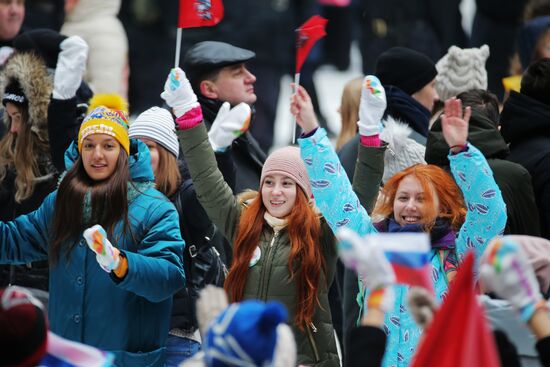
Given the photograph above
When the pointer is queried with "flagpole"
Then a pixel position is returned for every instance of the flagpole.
(296, 84)
(178, 48)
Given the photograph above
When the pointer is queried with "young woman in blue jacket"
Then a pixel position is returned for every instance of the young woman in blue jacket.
(459, 216)
(111, 285)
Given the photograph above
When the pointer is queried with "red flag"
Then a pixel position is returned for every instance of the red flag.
(306, 36)
(459, 335)
(200, 13)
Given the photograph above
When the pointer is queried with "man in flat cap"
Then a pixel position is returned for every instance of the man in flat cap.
(218, 73)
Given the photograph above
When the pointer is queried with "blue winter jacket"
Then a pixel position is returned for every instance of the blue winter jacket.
(334, 196)
(129, 317)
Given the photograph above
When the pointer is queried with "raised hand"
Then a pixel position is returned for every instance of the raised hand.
(107, 255)
(505, 270)
(178, 93)
(455, 124)
(70, 68)
(230, 123)
(302, 109)
(372, 266)
(372, 106)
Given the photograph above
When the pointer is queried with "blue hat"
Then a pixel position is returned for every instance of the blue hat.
(244, 334)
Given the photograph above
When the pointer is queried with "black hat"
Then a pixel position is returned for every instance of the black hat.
(14, 94)
(208, 56)
(405, 68)
(44, 42)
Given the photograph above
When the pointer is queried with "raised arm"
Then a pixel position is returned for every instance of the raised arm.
(331, 188)
(63, 121)
(486, 211)
(215, 196)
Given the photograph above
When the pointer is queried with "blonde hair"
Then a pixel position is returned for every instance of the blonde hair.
(168, 176)
(21, 151)
(349, 111)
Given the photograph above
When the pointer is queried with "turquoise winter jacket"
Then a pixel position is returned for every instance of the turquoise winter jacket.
(485, 219)
(129, 317)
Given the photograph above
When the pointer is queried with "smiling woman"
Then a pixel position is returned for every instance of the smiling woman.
(100, 154)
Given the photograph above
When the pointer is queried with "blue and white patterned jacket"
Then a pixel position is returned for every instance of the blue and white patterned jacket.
(334, 196)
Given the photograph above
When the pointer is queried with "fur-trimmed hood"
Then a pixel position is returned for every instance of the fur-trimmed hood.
(29, 70)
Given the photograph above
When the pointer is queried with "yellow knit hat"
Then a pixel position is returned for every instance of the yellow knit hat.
(106, 115)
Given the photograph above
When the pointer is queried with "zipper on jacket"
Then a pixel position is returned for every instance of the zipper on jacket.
(309, 328)
(266, 268)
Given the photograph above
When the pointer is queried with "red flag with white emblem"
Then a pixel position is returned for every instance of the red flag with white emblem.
(200, 13)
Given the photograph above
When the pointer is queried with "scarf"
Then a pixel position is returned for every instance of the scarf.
(402, 106)
(276, 223)
(442, 238)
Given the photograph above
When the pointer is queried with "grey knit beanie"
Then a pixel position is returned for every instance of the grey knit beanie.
(402, 151)
(287, 161)
(156, 124)
(461, 70)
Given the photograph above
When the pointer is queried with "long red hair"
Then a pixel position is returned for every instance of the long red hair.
(434, 180)
(304, 263)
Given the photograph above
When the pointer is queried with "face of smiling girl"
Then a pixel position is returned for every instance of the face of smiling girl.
(409, 203)
(278, 195)
(100, 155)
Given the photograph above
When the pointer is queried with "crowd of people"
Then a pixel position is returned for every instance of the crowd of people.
(176, 237)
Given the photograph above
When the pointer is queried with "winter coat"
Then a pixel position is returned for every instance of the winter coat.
(269, 278)
(341, 207)
(513, 179)
(249, 157)
(127, 316)
(97, 23)
(525, 125)
(31, 73)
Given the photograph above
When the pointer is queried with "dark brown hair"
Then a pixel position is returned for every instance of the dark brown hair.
(108, 201)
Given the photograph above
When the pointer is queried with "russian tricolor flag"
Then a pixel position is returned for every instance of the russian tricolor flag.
(409, 256)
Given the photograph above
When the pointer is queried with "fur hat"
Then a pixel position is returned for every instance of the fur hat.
(287, 161)
(30, 73)
(23, 328)
(156, 124)
(407, 69)
(461, 70)
(402, 151)
(107, 116)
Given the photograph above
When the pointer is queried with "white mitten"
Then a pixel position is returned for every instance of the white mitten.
(107, 255)
(212, 300)
(178, 93)
(506, 271)
(372, 266)
(230, 123)
(71, 64)
(372, 106)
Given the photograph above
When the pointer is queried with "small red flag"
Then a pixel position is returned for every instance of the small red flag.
(459, 335)
(200, 13)
(306, 36)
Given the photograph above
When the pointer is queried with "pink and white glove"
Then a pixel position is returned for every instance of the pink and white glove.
(107, 255)
(371, 107)
(506, 271)
(371, 265)
(230, 123)
(178, 93)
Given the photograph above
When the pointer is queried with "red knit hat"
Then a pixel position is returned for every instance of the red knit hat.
(23, 328)
(287, 161)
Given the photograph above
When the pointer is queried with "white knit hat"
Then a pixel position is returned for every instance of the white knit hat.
(402, 151)
(461, 70)
(156, 124)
